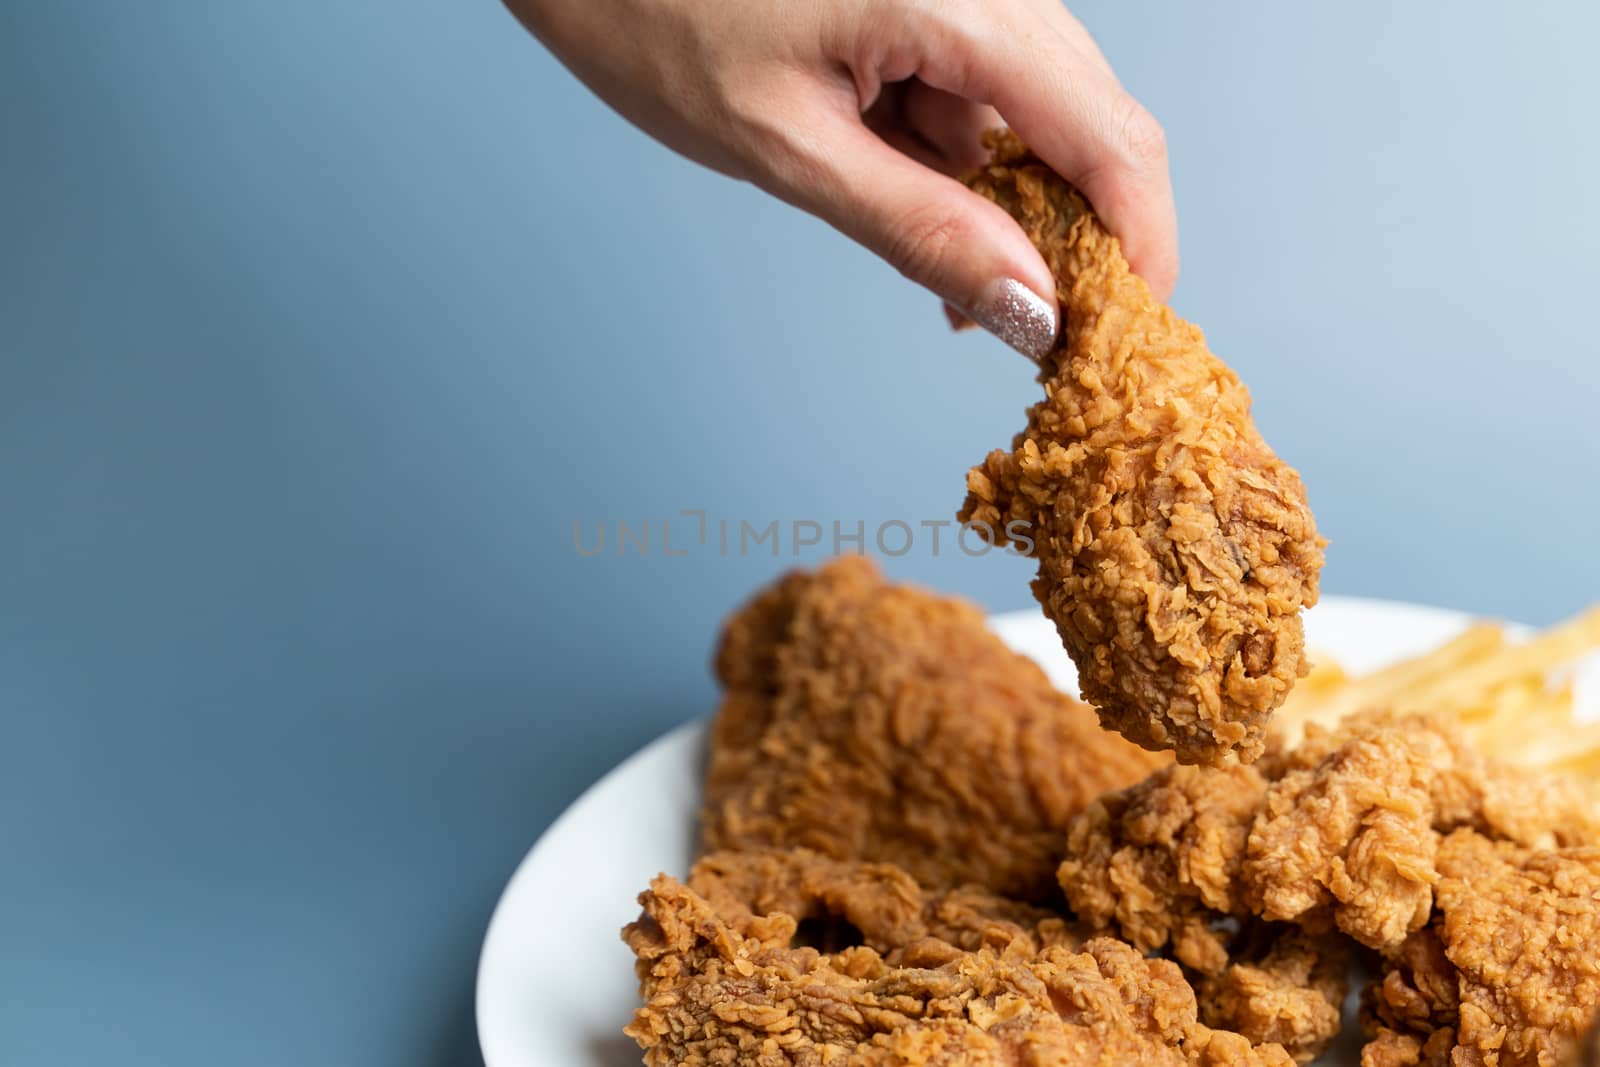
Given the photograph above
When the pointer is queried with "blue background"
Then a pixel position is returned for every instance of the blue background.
(321, 324)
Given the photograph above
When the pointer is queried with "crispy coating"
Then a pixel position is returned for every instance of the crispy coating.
(1175, 550)
(1342, 833)
(1281, 985)
(1522, 927)
(1466, 789)
(1390, 1048)
(841, 902)
(867, 720)
(1349, 840)
(723, 984)
(1160, 863)
(1507, 974)
(1410, 1009)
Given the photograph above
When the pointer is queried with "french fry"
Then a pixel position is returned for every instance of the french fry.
(1528, 724)
(1394, 685)
(1500, 691)
(1531, 659)
(1575, 750)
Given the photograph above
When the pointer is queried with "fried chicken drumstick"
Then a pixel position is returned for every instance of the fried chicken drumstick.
(1175, 550)
(867, 720)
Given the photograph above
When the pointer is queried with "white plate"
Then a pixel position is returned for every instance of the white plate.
(555, 982)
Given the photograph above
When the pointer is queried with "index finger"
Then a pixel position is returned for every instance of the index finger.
(1072, 111)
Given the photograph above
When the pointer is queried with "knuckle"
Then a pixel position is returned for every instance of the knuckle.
(922, 241)
(1142, 135)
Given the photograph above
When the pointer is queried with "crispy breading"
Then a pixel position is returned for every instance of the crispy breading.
(724, 985)
(1159, 863)
(1281, 985)
(876, 904)
(869, 720)
(1349, 840)
(1339, 833)
(1522, 927)
(1506, 975)
(1175, 549)
(1411, 1008)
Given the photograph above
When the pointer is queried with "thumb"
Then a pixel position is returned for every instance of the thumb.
(930, 227)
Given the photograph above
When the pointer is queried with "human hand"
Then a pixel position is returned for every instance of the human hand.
(859, 111)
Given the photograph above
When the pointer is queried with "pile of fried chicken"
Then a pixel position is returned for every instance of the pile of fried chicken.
(916, 852)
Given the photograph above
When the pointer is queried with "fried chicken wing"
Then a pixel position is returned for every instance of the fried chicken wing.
(867, 720)
(1507, 974)
(1175, 550)
(1341, 833)
(725, 984)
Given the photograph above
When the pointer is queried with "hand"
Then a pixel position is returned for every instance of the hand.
(859, 111)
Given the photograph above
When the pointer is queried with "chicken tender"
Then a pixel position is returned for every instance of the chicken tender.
(867, 720)
(1175, 550)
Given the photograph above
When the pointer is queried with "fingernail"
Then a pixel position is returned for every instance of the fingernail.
(1018, 316)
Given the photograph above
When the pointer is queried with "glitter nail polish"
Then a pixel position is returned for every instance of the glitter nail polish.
(1018, 316)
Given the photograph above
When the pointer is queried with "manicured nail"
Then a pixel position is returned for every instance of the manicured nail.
(1018, 316)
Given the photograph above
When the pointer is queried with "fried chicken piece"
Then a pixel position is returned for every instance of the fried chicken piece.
(837, 903)
(1160, 863)
(1507, 974)
(1410, 1010)
(1282, 986)
(1521, 926)
(1391, 1048)
(725, 985)
(1175, 550)
(866, 720)
(1342, 832)
(1466, 788)
(1349, 840)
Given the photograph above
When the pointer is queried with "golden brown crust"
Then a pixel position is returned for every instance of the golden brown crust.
(866, 720)
(1506, 974)
(1349, 840)
(1522, 927)
(1281, 985)
(724, 985)
(875, 904)
(1416, 996)
(1342, 832)
(1175, 550)
(1159, 863)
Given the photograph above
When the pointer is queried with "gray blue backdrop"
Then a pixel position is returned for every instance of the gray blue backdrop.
(321, 324)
